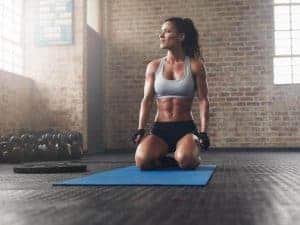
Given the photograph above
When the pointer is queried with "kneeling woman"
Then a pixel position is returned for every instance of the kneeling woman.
(172, 81)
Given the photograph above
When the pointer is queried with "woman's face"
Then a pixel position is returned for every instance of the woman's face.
(169, 37)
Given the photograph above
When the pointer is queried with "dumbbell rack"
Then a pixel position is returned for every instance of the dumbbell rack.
(46, 145)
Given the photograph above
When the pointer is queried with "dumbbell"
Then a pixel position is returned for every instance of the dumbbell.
(53, 153)
(41, 152)
(75, 140)
(61, 147)
(15, 153)
(4, 148)
(28, 145)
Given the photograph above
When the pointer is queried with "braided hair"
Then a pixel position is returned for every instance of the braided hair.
(190, 43)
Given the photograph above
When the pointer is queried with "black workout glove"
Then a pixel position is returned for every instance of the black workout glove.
(203, 137)
(138, 135)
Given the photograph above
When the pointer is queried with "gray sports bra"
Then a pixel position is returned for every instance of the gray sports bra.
(183, 88)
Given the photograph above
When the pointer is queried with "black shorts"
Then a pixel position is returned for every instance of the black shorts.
(171, 132)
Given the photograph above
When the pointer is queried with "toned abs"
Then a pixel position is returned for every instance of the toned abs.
(173, 109)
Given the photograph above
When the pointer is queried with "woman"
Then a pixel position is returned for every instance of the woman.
(173, 81)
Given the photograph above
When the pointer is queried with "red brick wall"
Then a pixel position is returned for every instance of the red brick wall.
(246, 109)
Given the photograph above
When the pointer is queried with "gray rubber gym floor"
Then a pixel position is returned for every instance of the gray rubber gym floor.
(247, 188)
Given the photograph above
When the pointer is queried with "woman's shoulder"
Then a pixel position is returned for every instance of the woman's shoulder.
(155, 62)
(153, 65)
(198, 62)
(197, 65)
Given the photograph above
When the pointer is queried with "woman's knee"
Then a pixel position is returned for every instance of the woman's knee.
(150, 149)
(187, 153)
(142, 160)
(186, 160)
(151, 146)
(147, 156)
(187, 156)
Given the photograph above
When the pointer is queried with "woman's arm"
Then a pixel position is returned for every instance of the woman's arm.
(198, 69)
(148, 97)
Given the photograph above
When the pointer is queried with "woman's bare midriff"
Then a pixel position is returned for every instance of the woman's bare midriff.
(173, 109)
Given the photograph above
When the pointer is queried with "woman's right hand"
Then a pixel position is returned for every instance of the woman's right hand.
(138, 135)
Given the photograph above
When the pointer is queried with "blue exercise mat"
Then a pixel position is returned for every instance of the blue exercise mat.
(134, 176)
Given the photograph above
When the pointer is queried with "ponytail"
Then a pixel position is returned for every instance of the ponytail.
(190, 43)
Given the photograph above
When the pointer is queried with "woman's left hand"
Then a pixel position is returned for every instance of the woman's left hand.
(203, 140)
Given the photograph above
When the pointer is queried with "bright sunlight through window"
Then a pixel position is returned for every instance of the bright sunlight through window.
(287, 41)
(11, 51)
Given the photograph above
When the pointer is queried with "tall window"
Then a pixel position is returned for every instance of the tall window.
(287, 41)
(11, 50)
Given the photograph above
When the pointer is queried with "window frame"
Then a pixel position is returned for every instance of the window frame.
(290, 56)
